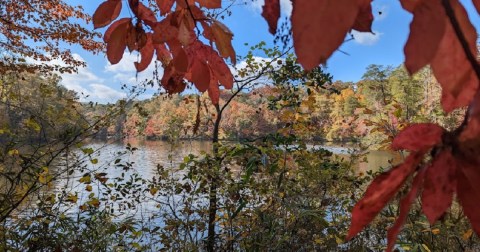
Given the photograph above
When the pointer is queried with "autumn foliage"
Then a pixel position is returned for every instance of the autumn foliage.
(442, 163)
(38, 30)
(174, 40)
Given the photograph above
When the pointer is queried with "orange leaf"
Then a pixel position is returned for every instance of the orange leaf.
(426, 32)
(223, 40)
(364, 20)
(165, 6)
(409, 138)
(207, 31)
(439, 186)
(319, 28)
(380, 192)
(405, 204)
(271, 13)
(117, 43)
(146, 55)
(106, 13)
(451, 66)
(210, 4)
(185, 35)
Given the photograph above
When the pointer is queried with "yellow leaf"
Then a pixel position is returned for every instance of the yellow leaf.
(153, 190)
(31, 123)
(338, 240)
(436, 231)
(88, 188)
(13, 152)
(72, 198)
(467, 234)
(94, 161)
(86, 179)
(426, 248)
(94, 202)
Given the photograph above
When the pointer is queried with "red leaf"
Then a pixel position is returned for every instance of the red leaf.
(220, 70)
(380, 192)
(319, 28)
(165, 6)
(172, 81)
(106, 13)
(146, 15)
(146, 55)
(180, 60)
(405, 204)
(214, 91)
(199, 74)
(164, 31)
(468, 161)
(476, 3)
(111, 28)
(426, 32)
(410, 5)
(439, 186)
(472, 130)
(132, 36)
(451, 66)
(163, 55)
(271, 13)
(364, 20)
(469, 197)
(117, 42)
(418, 137)
(210, 4)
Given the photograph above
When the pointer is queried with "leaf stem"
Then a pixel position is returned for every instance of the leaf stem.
(461, 37)
(468, 53)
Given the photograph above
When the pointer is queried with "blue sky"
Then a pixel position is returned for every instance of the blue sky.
(102, 81)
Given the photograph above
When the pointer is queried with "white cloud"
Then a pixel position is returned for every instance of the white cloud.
(285, 6)
(260, 61)
(125, 72)
(366, 38)
(106, 93)
(89, 86)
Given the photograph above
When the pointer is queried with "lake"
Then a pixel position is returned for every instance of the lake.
(149, 154)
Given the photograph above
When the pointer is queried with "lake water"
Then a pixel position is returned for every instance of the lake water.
(149, 154)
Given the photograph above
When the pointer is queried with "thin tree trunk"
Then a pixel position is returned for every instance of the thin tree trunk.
(212, 210)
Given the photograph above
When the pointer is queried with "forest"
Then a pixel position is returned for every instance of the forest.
(271, 154)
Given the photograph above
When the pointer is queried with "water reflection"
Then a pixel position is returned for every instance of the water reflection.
(115, 160)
